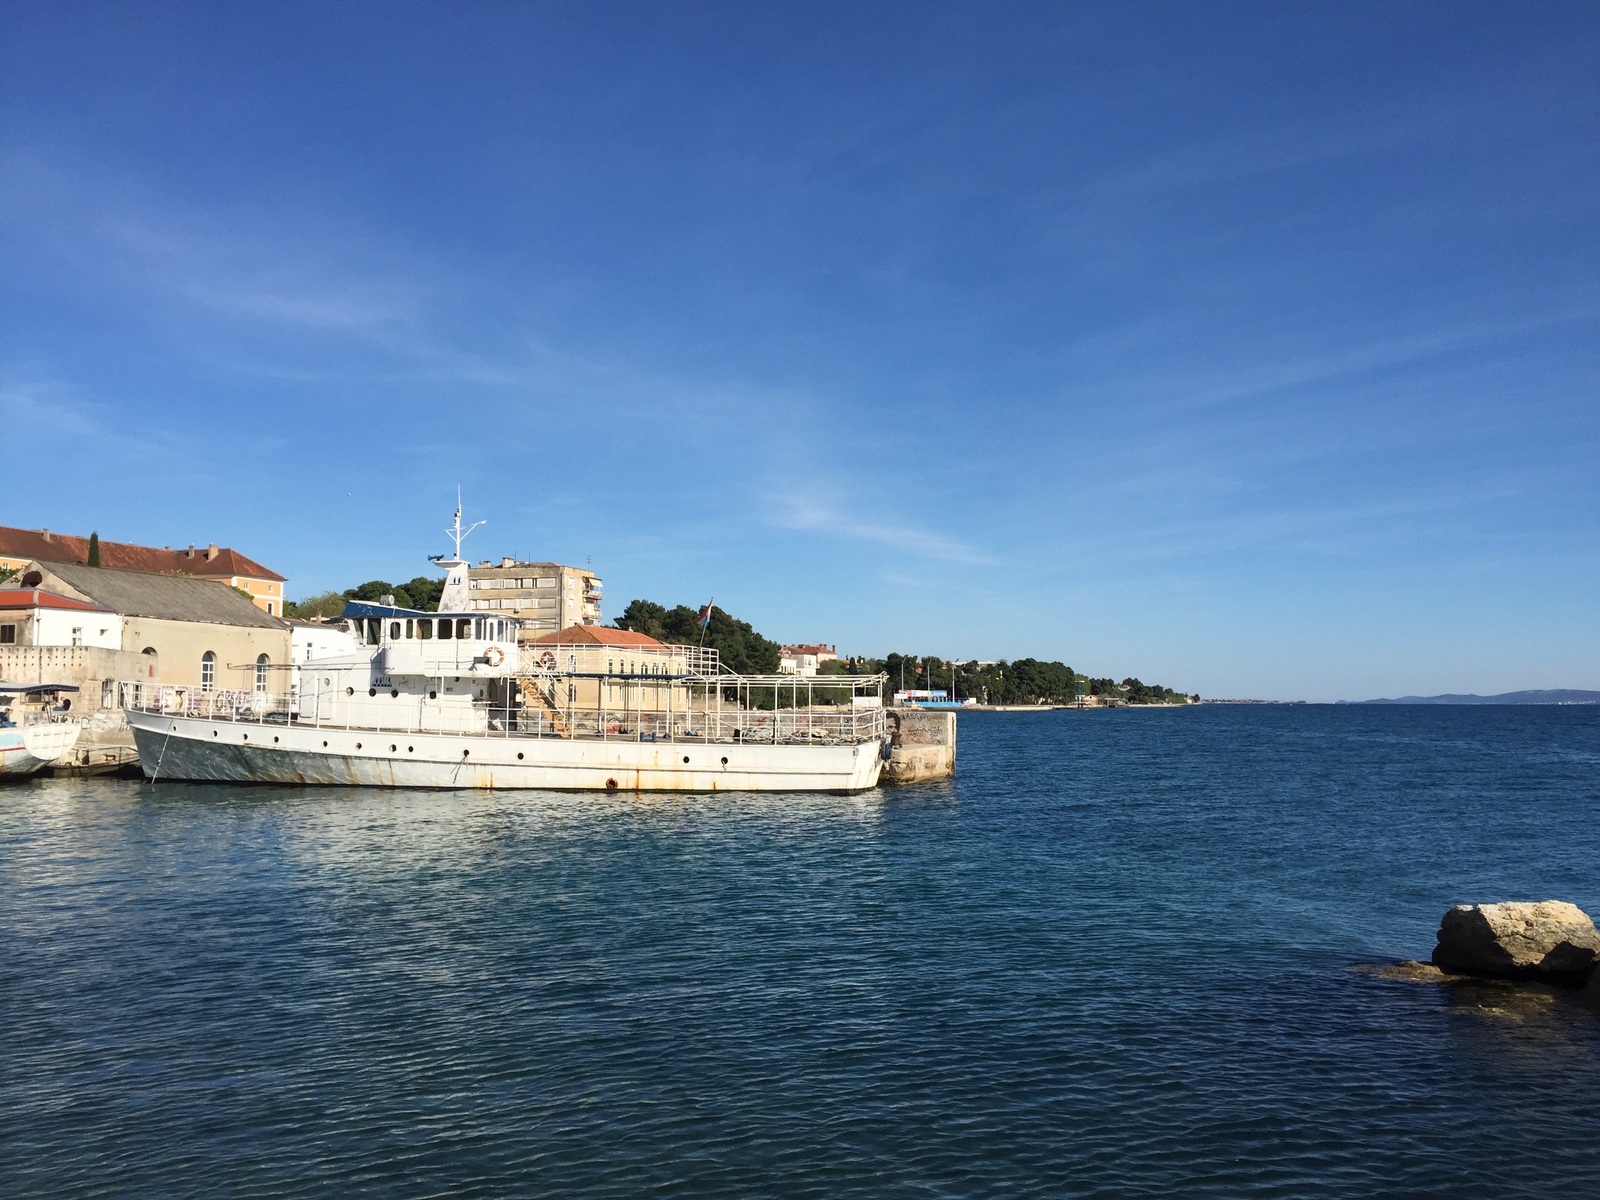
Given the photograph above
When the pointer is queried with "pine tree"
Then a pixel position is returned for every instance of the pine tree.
(94, 549)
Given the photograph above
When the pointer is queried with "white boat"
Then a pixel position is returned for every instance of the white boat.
(450, 699)
(35, 732)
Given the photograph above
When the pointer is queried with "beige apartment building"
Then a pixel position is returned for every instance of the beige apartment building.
(542, 596)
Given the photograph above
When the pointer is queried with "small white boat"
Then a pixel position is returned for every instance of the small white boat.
(35, 731)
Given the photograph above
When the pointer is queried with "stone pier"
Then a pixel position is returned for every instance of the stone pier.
(922, 745)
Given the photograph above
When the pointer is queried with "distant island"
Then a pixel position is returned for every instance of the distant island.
(1549, 696)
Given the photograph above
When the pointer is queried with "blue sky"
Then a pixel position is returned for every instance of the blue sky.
(1249, 349)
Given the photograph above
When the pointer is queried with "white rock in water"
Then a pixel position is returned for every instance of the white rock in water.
(1550, 940)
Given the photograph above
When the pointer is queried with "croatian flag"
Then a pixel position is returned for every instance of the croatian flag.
(704, 620)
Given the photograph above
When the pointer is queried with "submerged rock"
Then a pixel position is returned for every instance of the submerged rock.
(1591, 993)
(1550, 940)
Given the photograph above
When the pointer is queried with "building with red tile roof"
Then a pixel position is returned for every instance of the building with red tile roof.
(217, 564)
(599, 635)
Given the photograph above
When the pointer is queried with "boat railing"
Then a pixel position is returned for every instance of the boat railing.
(582, 658)
(719, 715)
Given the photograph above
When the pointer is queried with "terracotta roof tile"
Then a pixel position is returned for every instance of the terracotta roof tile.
(126, 556)
(598, 635)
(34, 598)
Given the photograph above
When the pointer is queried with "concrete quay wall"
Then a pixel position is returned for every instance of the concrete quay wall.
(922, 745)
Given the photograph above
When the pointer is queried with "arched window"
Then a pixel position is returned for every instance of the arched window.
(208, 671)
(261, 672)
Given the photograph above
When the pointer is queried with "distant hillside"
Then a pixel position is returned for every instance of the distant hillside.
(1554, 696)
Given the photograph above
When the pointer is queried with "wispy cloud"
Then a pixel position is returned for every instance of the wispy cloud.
(33, 406)
(820, 516)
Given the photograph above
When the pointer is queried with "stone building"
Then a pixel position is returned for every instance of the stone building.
(174, 630)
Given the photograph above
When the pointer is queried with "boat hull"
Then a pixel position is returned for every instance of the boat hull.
(201, 749)
(32, 748)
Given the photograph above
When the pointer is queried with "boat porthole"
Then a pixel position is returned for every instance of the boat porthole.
(611, 785)
(685, 760)
(358, 745)
(349, 691)
(464, 753)
(395, 692)
(274, 741)
(393, 748)
(372, 691)
(213, 733)
(433, 695)
(247, 737)
(519, 755)
(324, 745)
(724, 762)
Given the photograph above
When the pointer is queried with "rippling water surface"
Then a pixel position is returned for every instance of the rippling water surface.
(1111, 959)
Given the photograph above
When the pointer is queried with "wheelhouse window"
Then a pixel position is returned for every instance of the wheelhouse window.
(464, 627)
(374, 630)
(208, 671)
(261, 672)
(444, 628)
(394, 631)
(425, 630)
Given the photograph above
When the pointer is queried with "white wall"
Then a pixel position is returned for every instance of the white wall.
(309, 642)
(54, 626)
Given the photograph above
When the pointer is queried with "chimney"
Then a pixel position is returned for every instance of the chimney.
(46, 535)
(190, 554)
(211, 551)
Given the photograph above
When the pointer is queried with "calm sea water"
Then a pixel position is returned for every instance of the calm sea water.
(1113, 958)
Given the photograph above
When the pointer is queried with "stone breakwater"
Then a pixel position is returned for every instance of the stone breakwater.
(922, 745)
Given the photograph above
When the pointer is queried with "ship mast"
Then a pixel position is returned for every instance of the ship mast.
(454, 597)
(455, 532)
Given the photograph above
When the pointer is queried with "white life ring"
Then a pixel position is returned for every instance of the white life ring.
(494, 656)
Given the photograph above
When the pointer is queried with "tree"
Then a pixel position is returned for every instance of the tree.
(326, 605)
(94, 550)
(372, 591)
(742, 649)
(423, 592)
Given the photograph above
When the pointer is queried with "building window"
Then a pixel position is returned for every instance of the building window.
(8, 635)
(261, 672)
(77, 635)
(269, 608)
(108, 693)
(208, 671)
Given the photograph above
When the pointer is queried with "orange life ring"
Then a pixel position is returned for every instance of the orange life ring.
(547, 660)
(494, 656)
